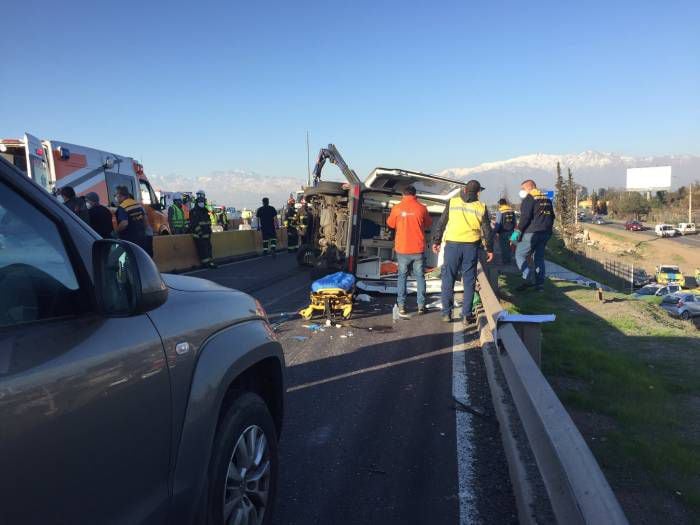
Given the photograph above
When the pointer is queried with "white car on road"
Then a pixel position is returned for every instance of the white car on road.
(665, 230)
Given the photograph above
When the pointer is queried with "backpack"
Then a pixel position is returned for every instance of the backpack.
(508, 220)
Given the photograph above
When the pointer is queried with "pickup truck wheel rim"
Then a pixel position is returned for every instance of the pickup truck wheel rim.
(248, 479)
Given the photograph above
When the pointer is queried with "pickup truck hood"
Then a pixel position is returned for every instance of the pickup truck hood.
(192, 284)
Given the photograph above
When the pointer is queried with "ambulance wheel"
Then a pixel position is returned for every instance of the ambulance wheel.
(326, 188)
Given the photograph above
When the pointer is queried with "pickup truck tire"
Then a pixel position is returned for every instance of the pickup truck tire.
(246, 442)
(326, 188)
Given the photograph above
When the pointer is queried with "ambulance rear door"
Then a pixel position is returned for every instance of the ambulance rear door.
(37, 163)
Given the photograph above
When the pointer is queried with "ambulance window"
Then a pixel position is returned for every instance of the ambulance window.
(118, 179)
(145, 193)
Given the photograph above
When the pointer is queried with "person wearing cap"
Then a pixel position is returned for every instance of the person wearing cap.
(176, 215)
(465, 228)
(131, 218)
(100, 216)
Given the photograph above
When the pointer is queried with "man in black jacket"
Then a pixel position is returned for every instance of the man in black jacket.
(532, 234)
(266, 215)
(100, 217)
(200, 226)
(74, 203)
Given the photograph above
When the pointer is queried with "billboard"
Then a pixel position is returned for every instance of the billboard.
(656, 178)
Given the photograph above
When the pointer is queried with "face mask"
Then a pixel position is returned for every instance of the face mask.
(522, 194)
(200, 204)
(89, 205)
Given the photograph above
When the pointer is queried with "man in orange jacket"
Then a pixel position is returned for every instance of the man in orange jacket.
(410, 219)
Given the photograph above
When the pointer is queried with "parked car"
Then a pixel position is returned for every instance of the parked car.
(686, 228)
(669, 273)
(684, 305)
(599, 220)
(656, 290)
(665, 230)
(634, 226)
(349, 231)
(126, 396)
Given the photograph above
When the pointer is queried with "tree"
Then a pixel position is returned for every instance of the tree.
(633, 204)
(560, 199)
(594, 202)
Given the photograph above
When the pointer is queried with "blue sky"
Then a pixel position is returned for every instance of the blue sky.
(196, 87)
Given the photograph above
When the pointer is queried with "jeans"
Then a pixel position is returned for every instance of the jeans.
(504, 238)
(532, 244)
(460, 259)
(407, 260)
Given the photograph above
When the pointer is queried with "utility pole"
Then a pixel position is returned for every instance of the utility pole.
(690, 203)
(308, 161)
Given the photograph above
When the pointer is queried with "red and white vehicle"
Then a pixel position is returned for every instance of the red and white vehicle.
(54, 164)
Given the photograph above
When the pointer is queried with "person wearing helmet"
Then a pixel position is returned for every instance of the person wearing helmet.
(176, 216)
(290, 222)
(200, 225)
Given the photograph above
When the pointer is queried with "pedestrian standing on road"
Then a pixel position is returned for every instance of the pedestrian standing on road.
(131, 218)
(176, 215)
(200, 226)
(410, 219)
(266, 216)
(74, 203)
(504, 226)
(100, 216)
(532, 234)
(466, 227)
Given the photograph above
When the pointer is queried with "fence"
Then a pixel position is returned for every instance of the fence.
(617, 274)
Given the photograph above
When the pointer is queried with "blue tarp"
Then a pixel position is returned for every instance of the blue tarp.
(342, 280)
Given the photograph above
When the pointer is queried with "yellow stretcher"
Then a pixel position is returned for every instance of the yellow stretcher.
(330, 301)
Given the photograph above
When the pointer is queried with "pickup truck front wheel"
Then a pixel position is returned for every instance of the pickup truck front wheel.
(244, 465)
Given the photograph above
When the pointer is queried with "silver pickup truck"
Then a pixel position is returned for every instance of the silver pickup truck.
(126, 396)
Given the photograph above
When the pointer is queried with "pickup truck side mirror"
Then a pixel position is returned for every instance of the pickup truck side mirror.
(127, 281)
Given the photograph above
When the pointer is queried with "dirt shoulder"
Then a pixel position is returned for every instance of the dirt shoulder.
(630, 378)
(644, 249)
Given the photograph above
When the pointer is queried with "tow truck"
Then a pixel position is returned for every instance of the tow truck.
(54, 164)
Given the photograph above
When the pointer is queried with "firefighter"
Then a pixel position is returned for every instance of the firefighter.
(305, 224)
(131, 218)
(186, 207)
(266, 216)
(466, 227)
(176, 215)
(291, 223)
(200, 226)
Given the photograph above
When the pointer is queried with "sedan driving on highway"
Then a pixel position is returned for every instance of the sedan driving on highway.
(683, 305)
(635, 226)
(126, 396)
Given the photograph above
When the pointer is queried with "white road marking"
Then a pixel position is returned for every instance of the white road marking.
(465, 434)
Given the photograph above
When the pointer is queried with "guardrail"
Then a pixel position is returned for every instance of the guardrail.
(575, 485)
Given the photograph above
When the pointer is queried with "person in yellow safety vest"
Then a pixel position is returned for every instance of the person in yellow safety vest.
(466, 227)
(131, 218)
(176, 216)
(200, 224)
(504, 226)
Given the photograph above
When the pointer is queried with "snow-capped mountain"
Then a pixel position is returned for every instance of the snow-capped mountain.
(239, 188)
(590, 168)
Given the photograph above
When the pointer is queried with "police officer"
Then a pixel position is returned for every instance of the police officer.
(131, 218)
(176, 215)
(504, 226)
(532, 234)
(466, 227)
(200, 225)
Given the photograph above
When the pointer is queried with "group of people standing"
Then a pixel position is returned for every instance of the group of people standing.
(462, 233)
(130, 220)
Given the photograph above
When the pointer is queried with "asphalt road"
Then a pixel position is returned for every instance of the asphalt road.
(688, 240)
(372, 432)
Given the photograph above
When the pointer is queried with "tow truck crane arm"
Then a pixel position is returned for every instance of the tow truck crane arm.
(331, 153)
